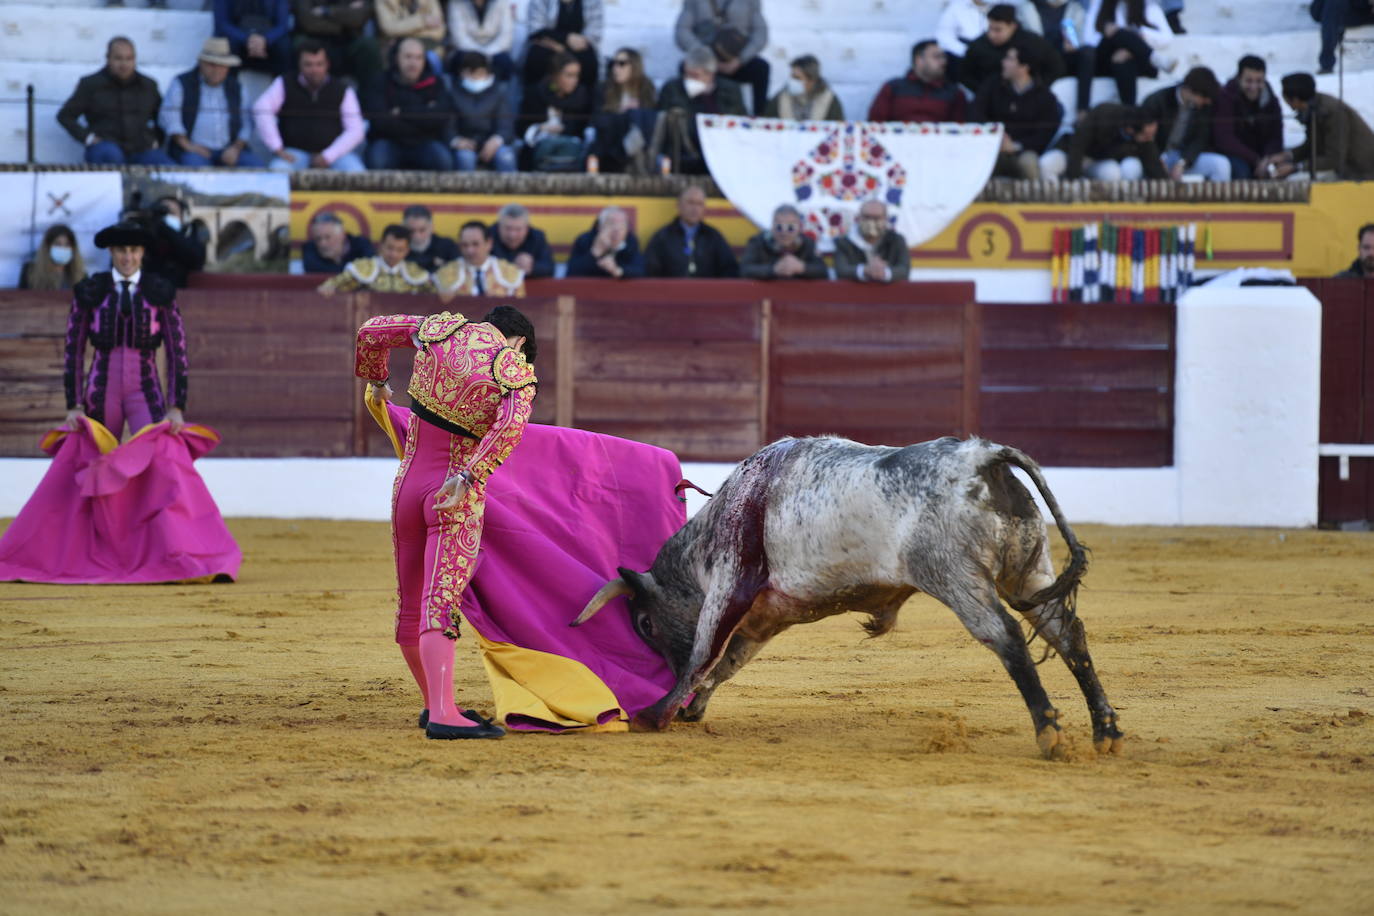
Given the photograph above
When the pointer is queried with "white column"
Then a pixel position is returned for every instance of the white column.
(1247, 399)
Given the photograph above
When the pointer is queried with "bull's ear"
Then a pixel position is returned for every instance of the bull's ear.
(640, 583)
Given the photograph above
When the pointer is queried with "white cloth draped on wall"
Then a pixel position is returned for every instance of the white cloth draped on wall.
(926, 173)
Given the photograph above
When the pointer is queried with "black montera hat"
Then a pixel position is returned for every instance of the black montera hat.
(124, 232)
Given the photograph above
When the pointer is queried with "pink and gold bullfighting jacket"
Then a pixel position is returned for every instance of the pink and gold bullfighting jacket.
(464, 375)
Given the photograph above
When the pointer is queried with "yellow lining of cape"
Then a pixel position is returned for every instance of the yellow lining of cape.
(548, 687)
(378, 411)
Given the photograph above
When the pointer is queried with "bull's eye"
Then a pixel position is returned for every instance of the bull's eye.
(644, 625)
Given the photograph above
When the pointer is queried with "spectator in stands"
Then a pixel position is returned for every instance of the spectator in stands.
(485, 26)
(554, 117)
(259, 31)
(1113, 143)
(783, 252)
(389, 272)
(1027, 110)
(1185, 126)
(872, 251)
(515, 240)
(477, 273)
(736, 34)
(688, 246)
(1248, 125)
(1363, 265)
(410, 114)
(427, 249)
(119, 106)
(559, 26)
(175, 248)
(329, 248)
(485, 123)
(963, 21)
(1335, 17)
(1129, 37)
(309, 119)
(699, 90)
(340, 26)
(1173, 9)
(983, 60)
(923, 94)
(1343, 142)
(807, 96)
(608, 249)
(57, 264)
(419, 19)
(625, 122)
(205, 115)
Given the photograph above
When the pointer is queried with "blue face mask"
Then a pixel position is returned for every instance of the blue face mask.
(478, 85)
(60, 254)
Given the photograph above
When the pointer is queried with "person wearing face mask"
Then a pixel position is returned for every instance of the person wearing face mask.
(699, 90)
(784, 252)
(175, 249)
(485, 123)
(57, 264)
(807, 97)
(872, 251)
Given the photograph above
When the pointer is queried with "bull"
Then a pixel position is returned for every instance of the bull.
(808, 528)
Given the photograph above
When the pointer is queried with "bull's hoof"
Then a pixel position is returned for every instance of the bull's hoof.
(1050, 738)
(688, 714)
(1114, 746)
(643, 723)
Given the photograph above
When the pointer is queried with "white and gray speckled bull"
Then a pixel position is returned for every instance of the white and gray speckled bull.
(807, 528)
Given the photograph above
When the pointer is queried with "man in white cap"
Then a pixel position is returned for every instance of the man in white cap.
(205, 115)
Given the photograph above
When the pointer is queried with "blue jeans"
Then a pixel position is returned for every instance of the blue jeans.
(247, 159)
(465, 160)
(348, 162)
(427, 155)
(1240, 169)
(107, 152)
(1335, 17)
(1211, 166)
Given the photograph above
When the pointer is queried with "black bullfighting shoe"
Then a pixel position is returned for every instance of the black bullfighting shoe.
(485, 728)
(424, 718)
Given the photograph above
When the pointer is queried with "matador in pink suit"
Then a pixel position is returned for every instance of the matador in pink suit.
(125, 314)
(472, 388)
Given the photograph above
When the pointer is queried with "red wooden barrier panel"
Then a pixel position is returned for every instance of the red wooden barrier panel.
(1347, 395)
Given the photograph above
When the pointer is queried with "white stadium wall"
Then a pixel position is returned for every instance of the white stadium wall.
(1247, 399)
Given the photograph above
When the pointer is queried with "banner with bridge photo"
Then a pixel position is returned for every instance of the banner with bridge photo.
(926, 173)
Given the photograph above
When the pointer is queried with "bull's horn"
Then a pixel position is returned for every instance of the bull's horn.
(609, 592)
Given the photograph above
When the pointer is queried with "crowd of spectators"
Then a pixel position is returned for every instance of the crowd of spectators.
(415, 84)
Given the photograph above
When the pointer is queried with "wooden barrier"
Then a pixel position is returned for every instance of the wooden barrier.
(710, 369)
(1347, 380)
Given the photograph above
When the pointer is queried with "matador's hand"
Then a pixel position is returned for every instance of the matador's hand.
(377, 395)
(73, 421)
(451, 493)
(176, 419)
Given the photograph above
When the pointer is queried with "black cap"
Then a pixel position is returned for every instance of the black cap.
(124, 232)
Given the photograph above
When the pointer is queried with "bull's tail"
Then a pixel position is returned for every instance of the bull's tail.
(1065, 587)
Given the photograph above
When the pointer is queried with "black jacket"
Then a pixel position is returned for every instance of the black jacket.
(125, 113)
(1355, 270)
(581, 262)
(174, 253)
(983, 59)
(1100, 136)
(1031, 118)
(440, 251)
(536, 245)
(314, 263)
(760, 255)
(710, 256)
(409, 114)
(1164, 106)
(575, 108)
(484, 114)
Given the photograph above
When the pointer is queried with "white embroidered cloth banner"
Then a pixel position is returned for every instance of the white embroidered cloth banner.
(926, 173)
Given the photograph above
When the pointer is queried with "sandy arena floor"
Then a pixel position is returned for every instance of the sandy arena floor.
(251, 748)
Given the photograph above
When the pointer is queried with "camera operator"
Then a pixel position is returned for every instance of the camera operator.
(175, 250)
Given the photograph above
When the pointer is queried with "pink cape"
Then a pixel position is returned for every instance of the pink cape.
(109, 514)
(565, 509)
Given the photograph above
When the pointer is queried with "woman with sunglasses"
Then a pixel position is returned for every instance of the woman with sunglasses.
(625, 121)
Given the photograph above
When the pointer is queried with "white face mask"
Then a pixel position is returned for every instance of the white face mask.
(60, 254)
(796, 86)
(476, 85)
(694, 87)
(173, 222)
